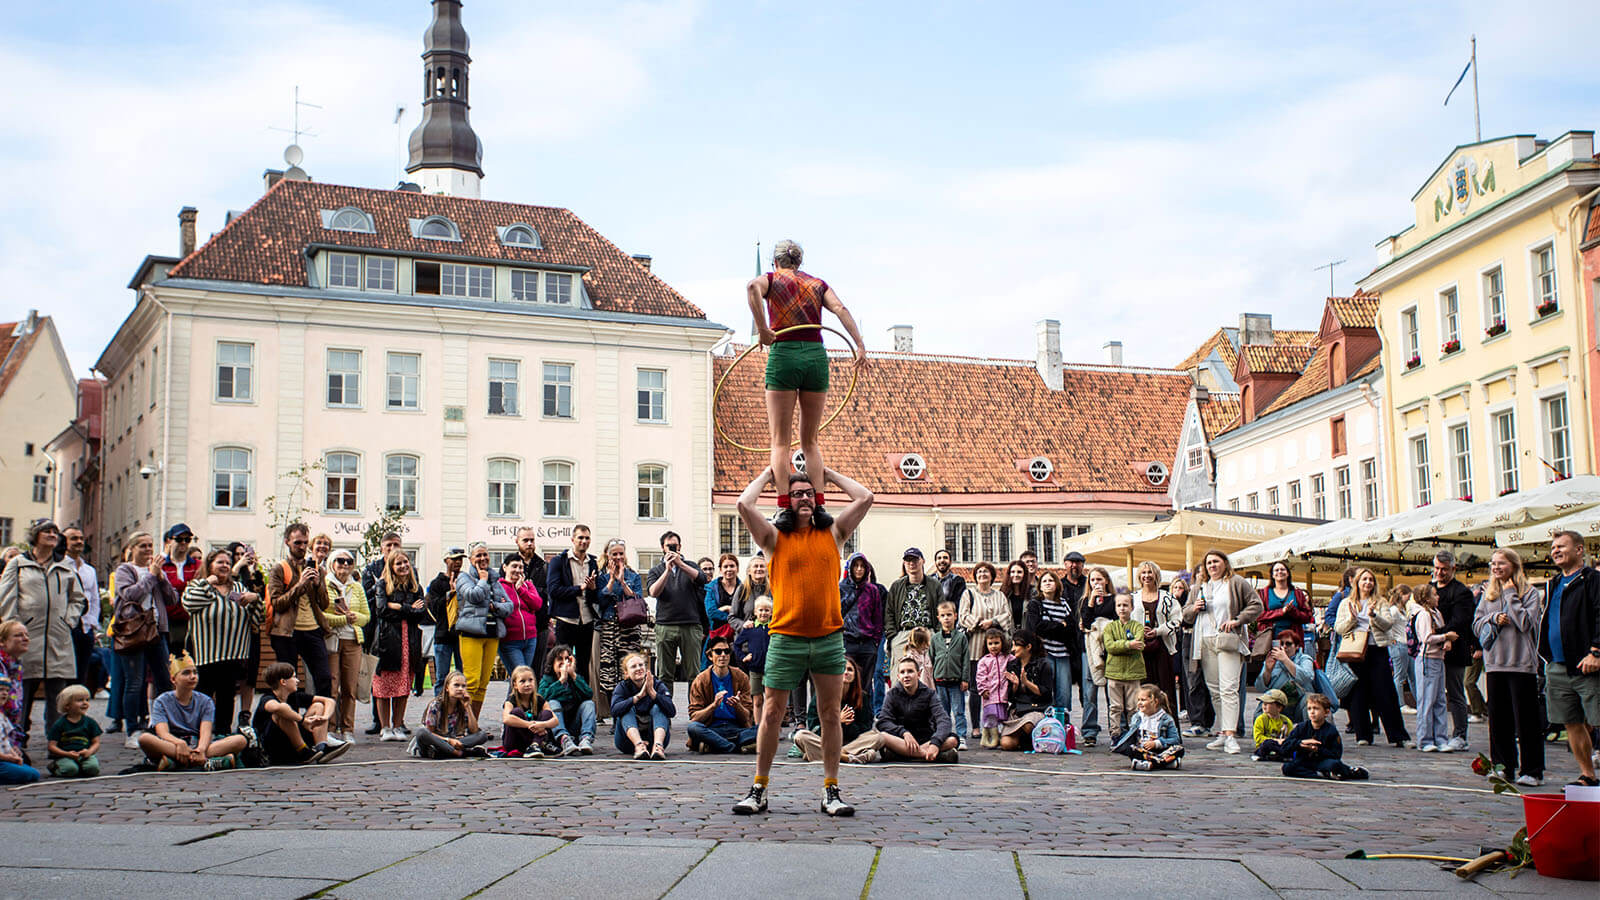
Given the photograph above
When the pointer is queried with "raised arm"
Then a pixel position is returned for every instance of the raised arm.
(761, 530)
(755, 292)
(860, 501)
(837, 307)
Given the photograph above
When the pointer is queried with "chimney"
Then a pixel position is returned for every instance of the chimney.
(1255, 328)
(1113, 350)
(270, 177)
(1199, 393)
(27, 326)
(642, 259)
(186, 231)
(901, 335)
(1048, 359)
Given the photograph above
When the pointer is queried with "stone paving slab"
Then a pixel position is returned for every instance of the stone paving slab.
(804, 869)
(1293, 874)
(457, 868)
(1402, 875)
(335, 855)
(47, 884)
(580, 870)
(924, 871)
(1060, 876)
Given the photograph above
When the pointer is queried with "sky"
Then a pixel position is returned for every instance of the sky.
(1142, 173)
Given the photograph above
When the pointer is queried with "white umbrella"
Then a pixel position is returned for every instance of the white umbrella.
(1585, 522)
(1479, 521)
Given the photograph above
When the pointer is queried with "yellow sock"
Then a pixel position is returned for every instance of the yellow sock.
(830, 782)
(761, 781)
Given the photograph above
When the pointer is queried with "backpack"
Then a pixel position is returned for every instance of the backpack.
(1413, 644)
(288, 579)
(1050, 736)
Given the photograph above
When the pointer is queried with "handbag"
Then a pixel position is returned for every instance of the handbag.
(137, 632)
(1340, 677)
(1261, 644)
(1353, 648)
(632, 612)
(364, 676)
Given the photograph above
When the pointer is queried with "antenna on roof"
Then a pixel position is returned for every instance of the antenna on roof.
(293, 154)
(1329, 267)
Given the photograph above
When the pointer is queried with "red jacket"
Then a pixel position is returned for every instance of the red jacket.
(523, 625)
(179, 581)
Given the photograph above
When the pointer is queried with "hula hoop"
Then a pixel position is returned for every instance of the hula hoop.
(855, 376)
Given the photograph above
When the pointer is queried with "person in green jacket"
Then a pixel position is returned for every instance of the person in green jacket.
(1124, 643)
(913, 603)
(568, 695)
(950, 669)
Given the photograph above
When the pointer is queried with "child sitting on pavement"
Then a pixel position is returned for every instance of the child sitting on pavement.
(1272, 727)
(720, 707)
(750, 649)
(75, 737)
(530, 728)
(449, 726)
(950, 669)
(181, 723)
(291, 724)
(914, 726)
(1152, 740)
(1123, 638)
(568, 695)
(1313, 749)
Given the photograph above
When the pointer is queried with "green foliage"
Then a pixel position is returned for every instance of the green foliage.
(282, 512)
(372, 533)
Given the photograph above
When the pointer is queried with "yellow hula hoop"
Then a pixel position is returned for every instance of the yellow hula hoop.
(855, 376)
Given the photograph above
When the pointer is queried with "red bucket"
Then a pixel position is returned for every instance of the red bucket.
(1564, 836)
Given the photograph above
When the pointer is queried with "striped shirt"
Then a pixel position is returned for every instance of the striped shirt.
(1057, 610)
(220, 629)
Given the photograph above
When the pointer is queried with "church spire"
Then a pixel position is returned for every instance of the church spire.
(446, 156)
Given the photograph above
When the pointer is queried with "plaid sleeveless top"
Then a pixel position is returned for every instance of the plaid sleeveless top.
(795, 299)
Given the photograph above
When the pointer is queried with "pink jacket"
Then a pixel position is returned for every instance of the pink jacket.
(523, 625)
(992, 684)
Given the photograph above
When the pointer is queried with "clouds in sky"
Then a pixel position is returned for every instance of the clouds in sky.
(964, 168)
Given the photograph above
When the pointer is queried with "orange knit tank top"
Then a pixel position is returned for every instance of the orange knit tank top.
(804, 575)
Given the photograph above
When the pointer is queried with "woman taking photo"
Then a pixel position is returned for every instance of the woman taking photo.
(347, 615)
(1221, 609)
(1163, 619)
(1099, 607)
(617, 582)
(1288, 668)
(1507, 627)
(482, 609)
(983, 607)
(397, 642)
(142, 598)
(1363, 626)
(223, 619)
(522, 626)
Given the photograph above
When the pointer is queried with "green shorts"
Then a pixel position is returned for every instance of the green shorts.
(797, 366)
(790, 659)
(1568, 699)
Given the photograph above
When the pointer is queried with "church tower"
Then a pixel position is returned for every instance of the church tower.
(446, 156)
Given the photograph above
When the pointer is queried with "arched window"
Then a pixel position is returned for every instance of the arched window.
(439, 228)
(400, 482)
(351, 219)
(1040, 469)
(341, 474)
(558, 489)
(652, 492)
(519, 235)
(230, 477)
(912, 467)
(1336, 365)
(504, 475)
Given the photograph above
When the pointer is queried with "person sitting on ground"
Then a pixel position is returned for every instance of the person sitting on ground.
(1152, 740)
(181, 722)
(1313, 749)
(12, 768)
(450, 724)
(569, 697)
(1290, 670)
(720, 708)
(750, 649)
(861, 740)
(993, 686)
(1271, 727)
(914, 726)
(291, 724)
(530, 728)
(1032, 688)
(1123, 638)
(74, 737)
(638, 699)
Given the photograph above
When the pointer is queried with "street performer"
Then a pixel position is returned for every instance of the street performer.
(807, 623)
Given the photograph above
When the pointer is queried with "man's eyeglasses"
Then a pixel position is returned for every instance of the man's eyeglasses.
(801, 495)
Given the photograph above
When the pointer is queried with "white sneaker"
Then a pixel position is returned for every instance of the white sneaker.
(1409, 710)
(1475, 719)
(1456, 745)
(1231, 745)
(1218, 743)
(392, 735)
(132, 742)
(1529, 781)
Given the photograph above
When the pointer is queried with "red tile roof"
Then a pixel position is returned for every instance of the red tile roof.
(1219, 413)
(264, 245)
(1593, 232)
(975, 423)
(1277, 358)
(14, 349)
(1360, 311)
(1218, 341)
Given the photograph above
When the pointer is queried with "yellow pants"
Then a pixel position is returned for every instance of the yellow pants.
(477, 663)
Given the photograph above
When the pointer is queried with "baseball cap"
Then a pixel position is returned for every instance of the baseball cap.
(1275, 696)
(176, 530)
(455, 553)
(1074, 556)
(911, 552)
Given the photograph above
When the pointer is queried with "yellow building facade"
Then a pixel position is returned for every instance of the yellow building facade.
(1482, 323)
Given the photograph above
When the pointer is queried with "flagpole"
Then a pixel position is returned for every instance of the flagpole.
(1477, 121)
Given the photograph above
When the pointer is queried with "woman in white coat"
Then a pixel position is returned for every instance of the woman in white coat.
(1222, 605)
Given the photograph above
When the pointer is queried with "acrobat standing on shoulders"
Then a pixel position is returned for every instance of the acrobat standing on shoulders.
(797, 366)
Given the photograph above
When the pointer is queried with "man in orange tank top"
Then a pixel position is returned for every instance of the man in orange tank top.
(807, 622)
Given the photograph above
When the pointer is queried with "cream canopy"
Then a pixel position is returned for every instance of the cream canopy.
(1177, 542)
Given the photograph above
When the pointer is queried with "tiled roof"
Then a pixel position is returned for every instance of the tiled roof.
(13, 350)
(1360, 311)
(1219, 414)
(1313, 380)
(1219, 341)
(972, 422)
(1593, 232)
(1277, 358)
(264, 245)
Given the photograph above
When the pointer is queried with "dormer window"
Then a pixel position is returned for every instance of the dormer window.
(436, 228)
(348, 218)
(912, 467)
(1040, 469)
(1155, 474)
(520, 235)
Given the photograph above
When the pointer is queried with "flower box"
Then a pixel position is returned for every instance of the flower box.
(1497, 328)
(1508, 491)
(1414, 361)
(1450, 347)
(1546, 308)
(1466, 497)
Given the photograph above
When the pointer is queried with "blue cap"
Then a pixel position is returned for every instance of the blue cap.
(911, 552)
(176, 530)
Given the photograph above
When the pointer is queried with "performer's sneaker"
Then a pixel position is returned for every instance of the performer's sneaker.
(833, 804)
(753, 802)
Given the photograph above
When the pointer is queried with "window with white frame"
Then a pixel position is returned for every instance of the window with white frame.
(400, 482)
(1410, 334)
(344, 271)
(1294, 498)
(1369, 489)
(1252, 502)
(734, 537)
(1544, 277)
(235, 368)
(344, 378)
(504, 377)
(1341, 485)
(1449, 317)
(154, 378)
(1041, 541)
(1461, 460)
(504, 475)
(1421, 484)
(229, 478)
(1319, 497)
(1195, 457)
(380, 273)
(341, 473)
(524, 285)
(962, 542)
(558, 490)
(557, 391)
(439, 228)
(996, 543)
(1557, 437)
(1272, 500)
(1494, 297)
(652, 483)
(350, 219)
(1503, 431)
(652, 395)
(404, 388)
(458, 280)
(1233, 504)
(558, 288)
(41, 488)
(7, 526)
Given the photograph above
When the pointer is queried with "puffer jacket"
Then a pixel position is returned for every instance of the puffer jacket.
(482, 607)
(862, 606)
(49, 600)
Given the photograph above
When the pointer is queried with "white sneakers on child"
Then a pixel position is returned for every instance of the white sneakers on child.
(1218, 742)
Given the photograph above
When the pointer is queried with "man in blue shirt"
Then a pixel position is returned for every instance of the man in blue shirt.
(1569, 641)
(720, 705)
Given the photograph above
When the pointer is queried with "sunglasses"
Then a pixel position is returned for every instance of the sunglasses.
(719, 651)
